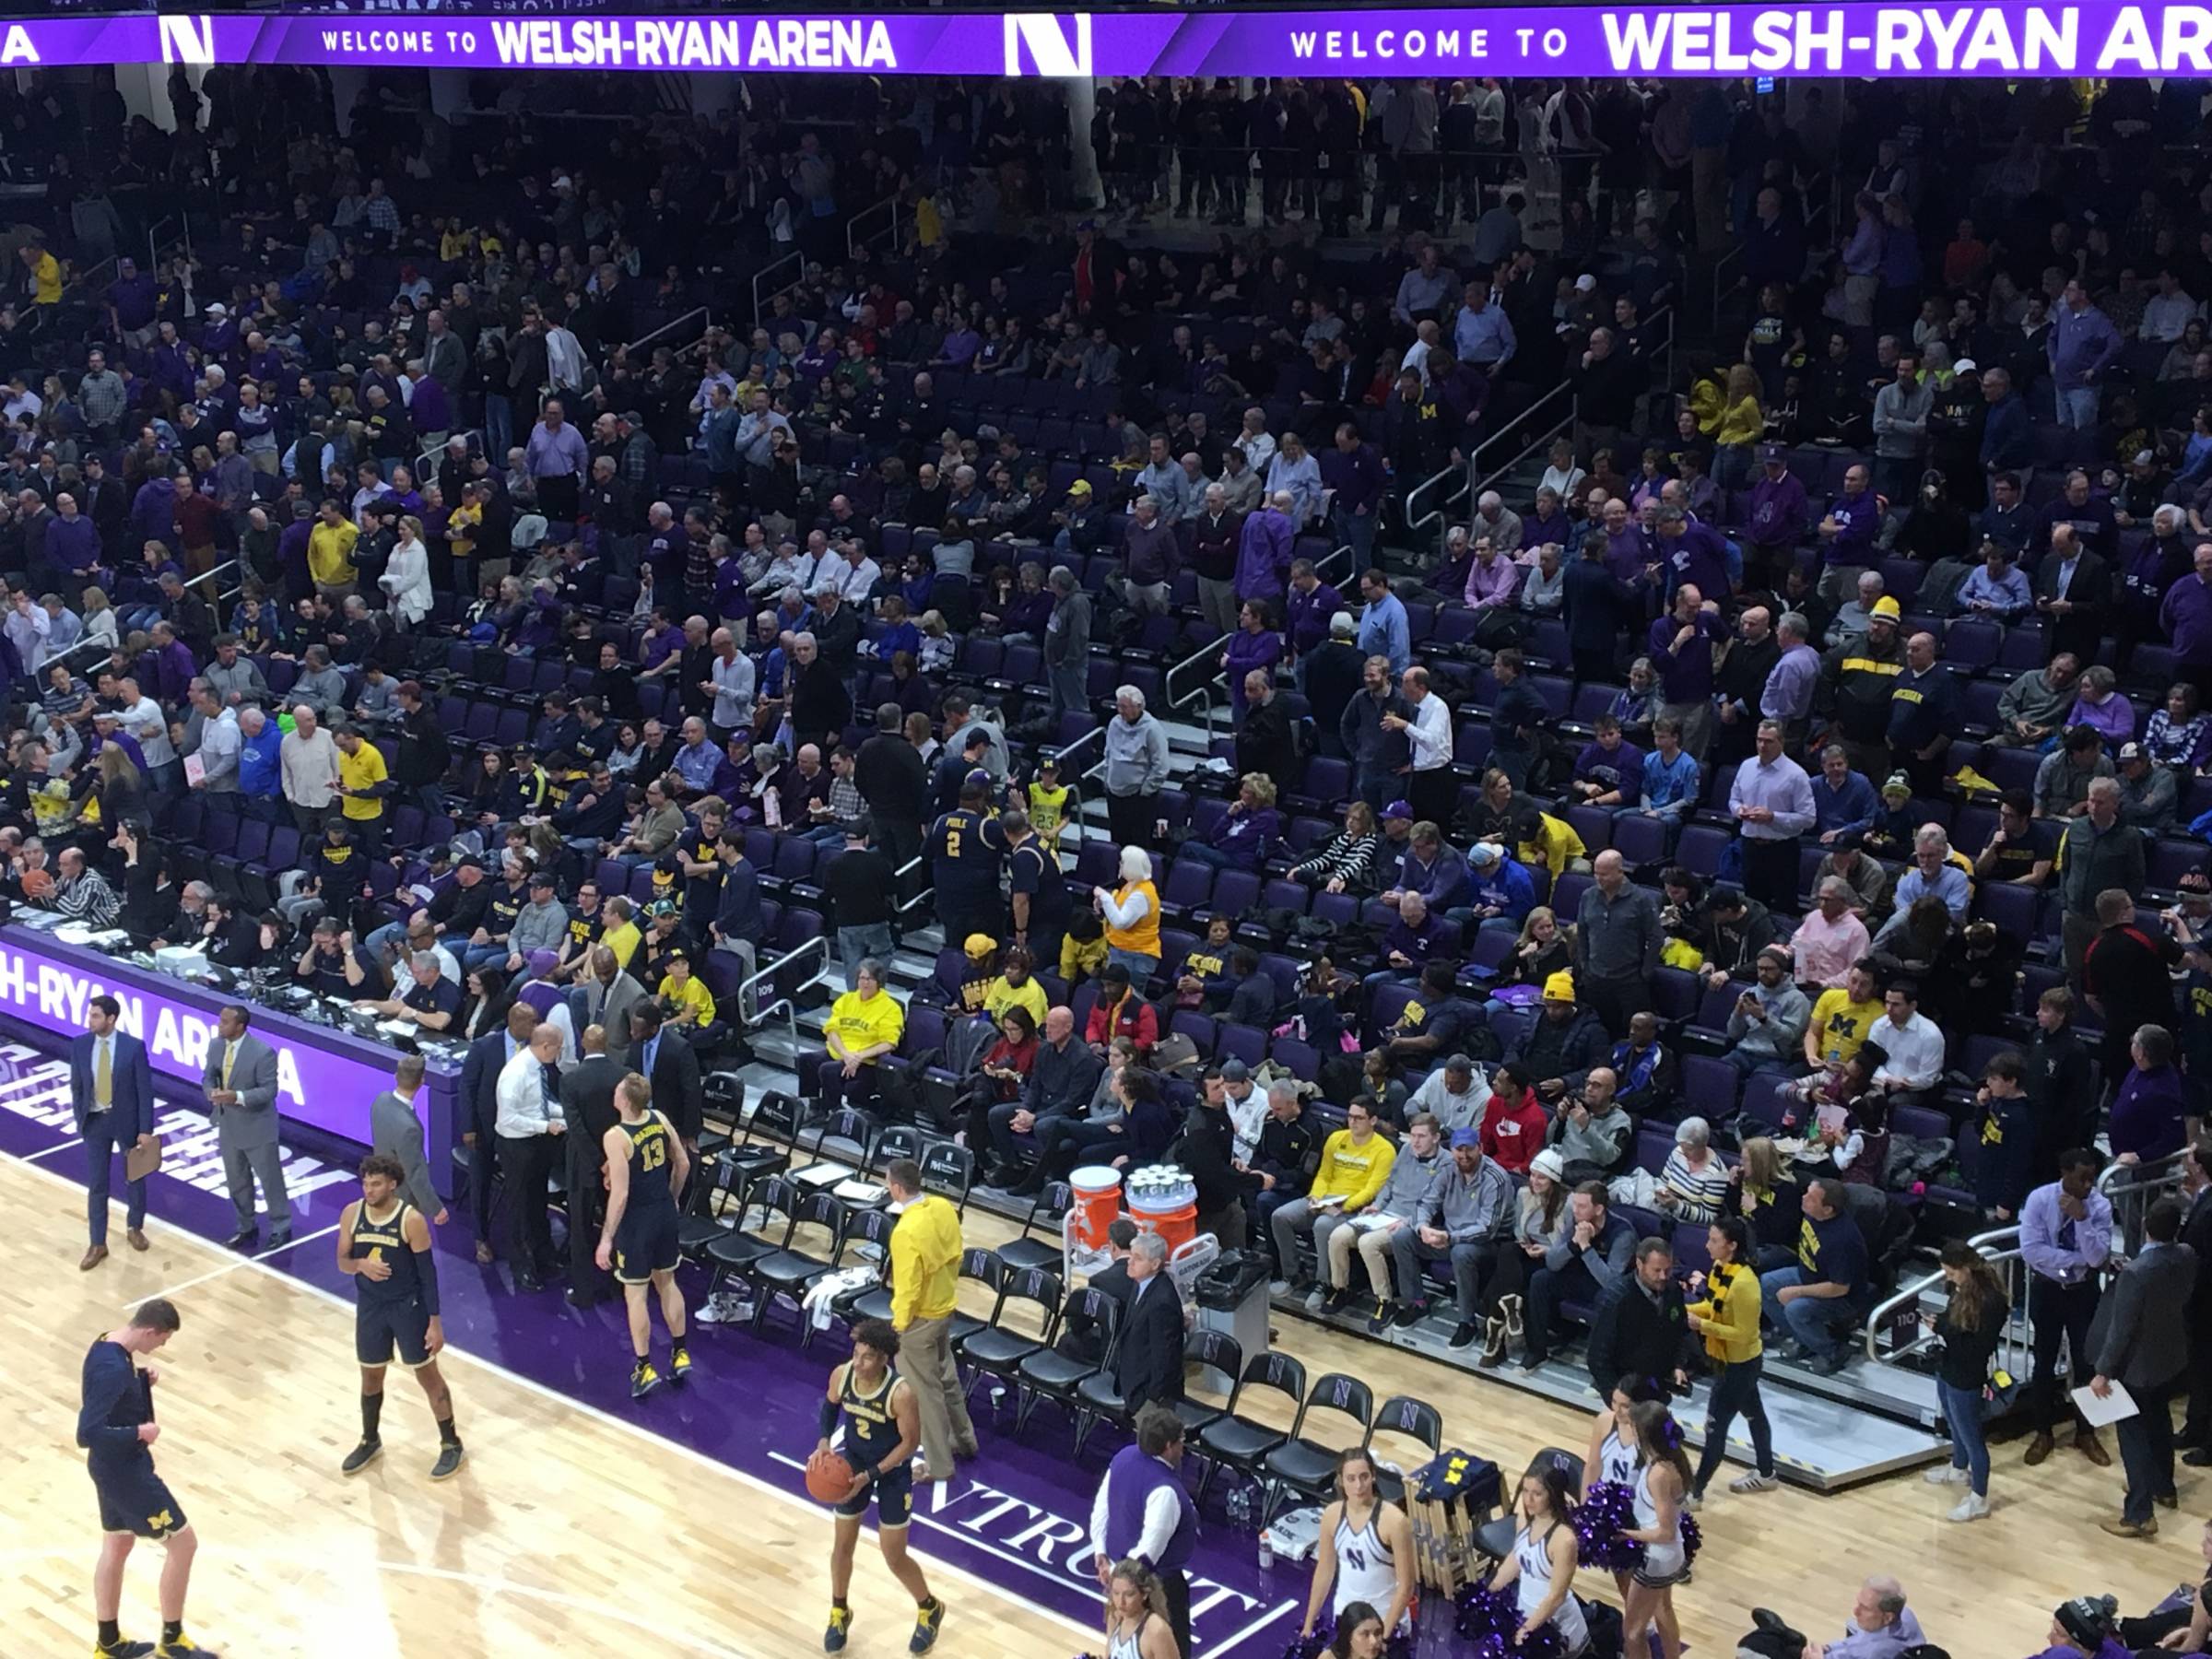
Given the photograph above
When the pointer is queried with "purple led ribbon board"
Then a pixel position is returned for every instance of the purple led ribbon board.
(1854, 40)
(48, 986)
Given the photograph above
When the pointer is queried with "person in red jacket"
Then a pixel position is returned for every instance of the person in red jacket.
(1121, 1012)
(1514, 1121)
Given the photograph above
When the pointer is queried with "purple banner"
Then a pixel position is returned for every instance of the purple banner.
(1857, 41)
(47, 984)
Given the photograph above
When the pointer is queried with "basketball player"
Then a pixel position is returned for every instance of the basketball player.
(883, 1427)
(1366, 1549)
(116, 1428)
(384, 1244)
(646, 1165)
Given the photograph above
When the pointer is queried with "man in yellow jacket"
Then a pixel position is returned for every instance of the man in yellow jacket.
(1355, 1162)
(330, 554)
(925, 1276)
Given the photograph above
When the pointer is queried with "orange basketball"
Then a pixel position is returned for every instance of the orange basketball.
(829, 1476)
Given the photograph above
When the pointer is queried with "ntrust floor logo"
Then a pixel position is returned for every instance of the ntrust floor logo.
(1054, 44)
(36, 1089)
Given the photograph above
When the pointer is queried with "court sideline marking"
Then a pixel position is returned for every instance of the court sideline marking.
(638, 1430)
(232, 1266)
(261, 1560)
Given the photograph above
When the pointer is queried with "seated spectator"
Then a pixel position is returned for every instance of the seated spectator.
(1282, 1164)
(1591, 1130)
(1881, 1626)
(1593, 1255)
(1002, 1070)
(2148, 791)
(2179, 734)
(1502, 891)
(1244, 837)
(1648, 1071)
(1608, 771)
(1121, 1012)
(1763, 1188)
(1346, 861)
(1355, 1162)
(1559, 1046)
(1936, 873)
(1693, 1184)
(1514, 1122)
(1396, 1208)
(866, 1024)
(1455, 1094)
(1766, 1027)
(1823, 1293)
(2102, 707)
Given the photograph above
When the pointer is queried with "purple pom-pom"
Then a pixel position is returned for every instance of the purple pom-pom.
(1692, 1540)
(1489, 1618)
(1599, 1520)
(1312, 1646)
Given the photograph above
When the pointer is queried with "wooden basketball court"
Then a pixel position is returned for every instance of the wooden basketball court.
(576, 1532)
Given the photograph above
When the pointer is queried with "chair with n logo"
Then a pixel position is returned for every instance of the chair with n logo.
(1308, 1466)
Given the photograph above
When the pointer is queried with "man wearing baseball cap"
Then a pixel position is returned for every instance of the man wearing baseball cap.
(1460, 1220)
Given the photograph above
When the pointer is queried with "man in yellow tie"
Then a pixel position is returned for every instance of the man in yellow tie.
(241, 1087)
(112, 1089)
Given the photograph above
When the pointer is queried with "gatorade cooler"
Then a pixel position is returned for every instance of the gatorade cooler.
(1164, 1200)
(1098, 1193)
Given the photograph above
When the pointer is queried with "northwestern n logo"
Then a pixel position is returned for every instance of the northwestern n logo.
(187, 39)
(1050, 50)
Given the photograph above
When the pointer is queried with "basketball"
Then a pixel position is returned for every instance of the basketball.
(829, 1476)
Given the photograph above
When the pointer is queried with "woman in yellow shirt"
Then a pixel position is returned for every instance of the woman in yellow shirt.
(1741, 425)
(690, 1004)
(1727, 1317)
(865, 1024)
(1015, 988)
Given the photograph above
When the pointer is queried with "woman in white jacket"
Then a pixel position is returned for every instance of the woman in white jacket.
(406, 578)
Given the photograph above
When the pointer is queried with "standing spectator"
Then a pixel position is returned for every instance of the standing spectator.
(2066, 1238)
(1067, 641)
(1137, 769)
(558, 459)
(925, 1262)
(2096, 856)
(1616, 943)
(1773, 798)
(2083, 344)
(309, 762)
(2144, 1349)
(529, 1126)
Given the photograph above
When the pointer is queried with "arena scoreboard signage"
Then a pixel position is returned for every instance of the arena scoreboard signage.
(1666, 40)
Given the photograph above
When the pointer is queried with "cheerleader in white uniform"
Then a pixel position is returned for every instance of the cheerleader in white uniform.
(1366, 1550)
(1662, 1479)
(1540, 1571)
(1137, 1615)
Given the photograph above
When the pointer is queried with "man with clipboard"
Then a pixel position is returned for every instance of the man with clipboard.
(111, 1089)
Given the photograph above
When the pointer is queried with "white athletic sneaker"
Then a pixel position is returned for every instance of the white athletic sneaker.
(1278, 1287)
(1317, 1299)
(1754, 1482)
(1692, 1502)
(725, 1307)
(1971, 1508)
(1943, 1475)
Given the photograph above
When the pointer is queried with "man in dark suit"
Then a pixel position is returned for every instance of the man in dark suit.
(587, 1104)
(240, 1086)
(2072, 587)
(1640, 1329)
(669, 1064)
(487, 1056)
(1147, 1367)
(111, 1089)
(1083, 1337)
(2140, 1342)
(2197, 1233)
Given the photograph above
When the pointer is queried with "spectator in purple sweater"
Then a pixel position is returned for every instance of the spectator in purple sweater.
(1263, 549)
(2101, 704)
(2185, 615)
(1308, 607)
(1254, 645)
(1776, 519)
(1244, 835)
(2147, 1113)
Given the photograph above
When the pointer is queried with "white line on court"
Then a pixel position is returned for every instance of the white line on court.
(50, 1151)
(261, 1561)
(216, 1272)
(790, 1499)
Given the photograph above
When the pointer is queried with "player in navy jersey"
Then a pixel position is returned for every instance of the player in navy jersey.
(883, 1427)
(646, 1167)
(115, 1425)
(385, 1247)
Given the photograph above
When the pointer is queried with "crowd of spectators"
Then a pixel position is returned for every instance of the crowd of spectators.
(1812, 756)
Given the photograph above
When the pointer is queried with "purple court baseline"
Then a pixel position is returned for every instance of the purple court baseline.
(1841, 41)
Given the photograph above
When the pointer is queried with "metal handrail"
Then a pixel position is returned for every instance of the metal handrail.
(2131, 1189)
(1565, 423)
(855, 242)
(783, 1006)
(2013, 1339)
(906, 906)
(1203, 692)
(705, 318)
(426, 464)
(760, 298)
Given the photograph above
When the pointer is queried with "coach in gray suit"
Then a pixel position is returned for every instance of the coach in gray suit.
(603, 997)
(2141, 1339)
(240, 1086)
(396, 1132)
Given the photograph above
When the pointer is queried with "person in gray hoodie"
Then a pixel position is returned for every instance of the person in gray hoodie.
(1467, 1212)
(1397, 1208)
(542, 925)
(1136, 766)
